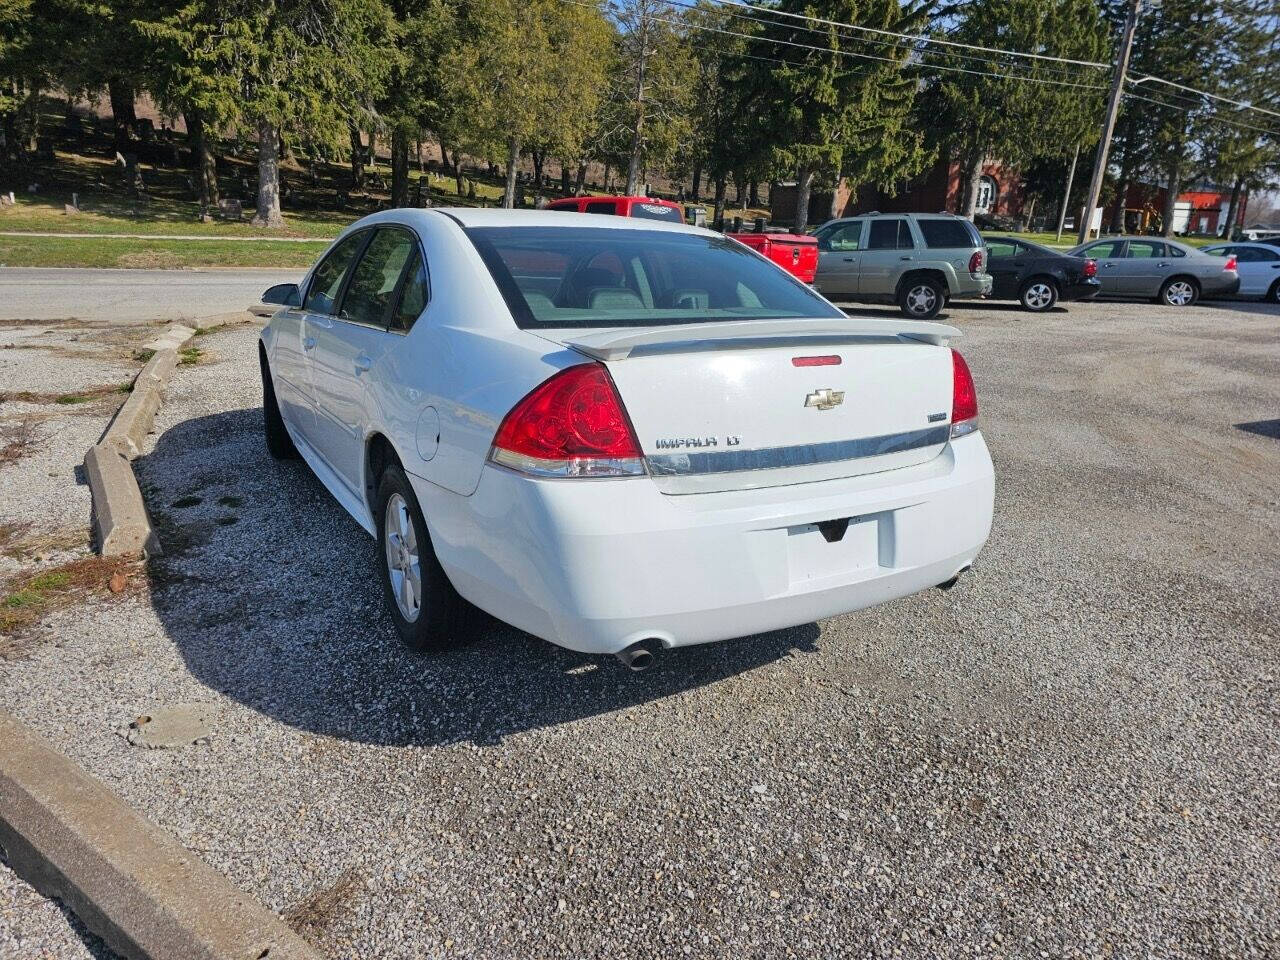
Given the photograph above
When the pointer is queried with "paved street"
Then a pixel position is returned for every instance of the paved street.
(130, 296)
(1072, 754)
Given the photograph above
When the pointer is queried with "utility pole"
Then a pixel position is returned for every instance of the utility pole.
(1109, 125)
(1066, 195)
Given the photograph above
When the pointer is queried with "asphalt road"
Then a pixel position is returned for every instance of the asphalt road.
(1074, 753)
(130, 296)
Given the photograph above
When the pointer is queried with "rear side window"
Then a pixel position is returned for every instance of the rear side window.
(657, 211)
(326, 282)
(601, 206)
(1102, 251)
(375, 278)
(413, 297)
(948, 234)
(890, 235)
(1001, 248)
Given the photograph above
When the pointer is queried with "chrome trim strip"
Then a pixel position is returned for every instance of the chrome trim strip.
(801, 455)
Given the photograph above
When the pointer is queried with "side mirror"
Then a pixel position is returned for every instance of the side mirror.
(284, 294)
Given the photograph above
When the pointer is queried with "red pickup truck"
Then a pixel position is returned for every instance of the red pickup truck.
(796, 254)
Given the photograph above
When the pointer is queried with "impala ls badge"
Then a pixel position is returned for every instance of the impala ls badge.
(824, 399)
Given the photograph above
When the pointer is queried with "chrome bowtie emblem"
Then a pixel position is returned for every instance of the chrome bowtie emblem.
(824, 399)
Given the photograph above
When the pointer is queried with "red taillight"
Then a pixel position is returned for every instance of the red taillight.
(573, 425)
(964, 397)
(975, 262)
(827, 360)
(1090, 268)
(1231, 263)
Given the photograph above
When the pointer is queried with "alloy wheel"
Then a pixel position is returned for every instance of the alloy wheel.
(921, 299)
(1038, 296)
(403, 564)
(1179, 294)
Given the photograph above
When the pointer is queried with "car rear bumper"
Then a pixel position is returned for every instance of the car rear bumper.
(595, 565)
(977, 286)
(1215, 287)
(1084, 290)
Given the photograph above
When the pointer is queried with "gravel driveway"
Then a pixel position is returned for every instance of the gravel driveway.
(1074, 753)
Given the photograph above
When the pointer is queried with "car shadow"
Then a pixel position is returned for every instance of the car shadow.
(270, 592)
(1263, 428)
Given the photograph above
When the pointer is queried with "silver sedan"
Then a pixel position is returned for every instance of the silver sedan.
(1154, 268)
(1258, 265)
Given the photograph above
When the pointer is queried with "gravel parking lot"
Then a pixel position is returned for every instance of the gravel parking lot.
(1074, 753)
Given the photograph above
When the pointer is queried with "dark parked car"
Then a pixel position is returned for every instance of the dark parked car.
(1036, 276)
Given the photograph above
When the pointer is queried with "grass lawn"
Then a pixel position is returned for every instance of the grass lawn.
(153, 254)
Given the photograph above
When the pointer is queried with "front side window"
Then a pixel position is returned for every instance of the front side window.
(1103, 251)
(326, 282)
(1002, 248)
(591, 277)
(843, 237)
(1145, 250)
(601, 206)
(374, 280)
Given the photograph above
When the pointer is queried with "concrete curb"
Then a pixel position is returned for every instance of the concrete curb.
(121, 524)
(130, 882)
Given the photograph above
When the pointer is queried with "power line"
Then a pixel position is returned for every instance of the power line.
(1202, 93)
(686, 5)
(915, 38)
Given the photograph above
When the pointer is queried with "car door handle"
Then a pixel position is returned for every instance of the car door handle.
(849, 259)
(1159, 265)
(308, 343)
(905, 258)
(320, 320)
(362, 363)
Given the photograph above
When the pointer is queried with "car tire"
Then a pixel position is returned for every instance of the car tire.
(279, 443)
(1273, 295)
(428, 612)
(1038, 294)
(1179, 292)
(922, 299)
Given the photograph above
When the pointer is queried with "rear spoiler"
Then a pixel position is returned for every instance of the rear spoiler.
(618, 344)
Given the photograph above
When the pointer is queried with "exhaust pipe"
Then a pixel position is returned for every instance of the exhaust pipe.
(948, 584)
(638, 656)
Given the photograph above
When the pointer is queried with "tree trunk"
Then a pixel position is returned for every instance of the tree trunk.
(539, 159)
(513, 157)
(717, 214)
(357, 158)
(804, 186)
(971, 179)
(1172, 184)
(564, 177)
(608, 187)
(753, 197)
(1233, 209)
(637, 128)
(697, 181)
(123, 115)
(399, 168)
(580, 185)
(418, 147)
(205, 162)
(268, 208)
(455, 163)
(837, 208)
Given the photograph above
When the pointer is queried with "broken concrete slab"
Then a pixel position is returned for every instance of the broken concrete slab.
(172, 727)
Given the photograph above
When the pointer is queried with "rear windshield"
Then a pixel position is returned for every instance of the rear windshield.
(592, 277)
(657, 211)
(949, 234)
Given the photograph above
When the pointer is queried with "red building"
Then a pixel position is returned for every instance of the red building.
(1200, 210)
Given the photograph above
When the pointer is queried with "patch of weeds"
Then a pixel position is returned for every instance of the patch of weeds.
(314, 914)
(17, 438)
(18, 542)
(29, 598)
(189, 356)
(201, 331)
(230, 501)
(126, 387)
(143, 355)
(67, 399)
(188, 501)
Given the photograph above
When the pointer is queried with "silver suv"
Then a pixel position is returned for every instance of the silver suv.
(916, 260)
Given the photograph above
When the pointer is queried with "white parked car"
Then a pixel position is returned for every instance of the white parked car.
(1258, 265)
(619, 435)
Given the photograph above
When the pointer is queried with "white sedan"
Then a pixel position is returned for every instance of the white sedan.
(1258, 265)
(619, 435)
